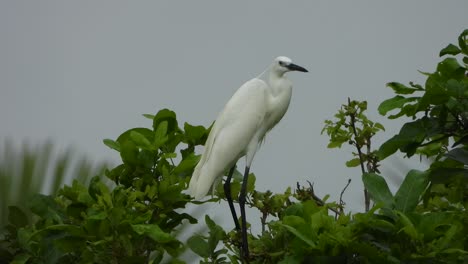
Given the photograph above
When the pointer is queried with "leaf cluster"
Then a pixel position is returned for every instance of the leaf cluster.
(439, 109)
(439, 126)
(424, 221)
(398, 229)
(134, 219)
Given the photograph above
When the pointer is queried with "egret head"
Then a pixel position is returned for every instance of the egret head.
(282, 64)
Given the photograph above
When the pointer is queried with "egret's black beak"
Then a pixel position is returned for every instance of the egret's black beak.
(294, 67)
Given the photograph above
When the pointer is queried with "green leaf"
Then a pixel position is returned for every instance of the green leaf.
(411, 135)
(378, 189)
(69, 229)
(299, 235)
(170, 155)
(216, 233)
(450, 50)
(198, 245)
(436, 92)
(187, 164)
(70, 244)
(448, 237)
(97, 215)
(457, 89)
(353, 163)
(294, 220)
(168, 116)
(129, 153)
(140, 140)
(251, 183)
(97, 188)
(335, 144)
(45, 207)
(126, 136)
(409, 194)
(235, 189)
(451, 68)
(408, 226)
(447, 175)
(407, 109)
(210, 223)
(160, 135)
(24, 238)
(21, 258)
(394, 103)
(154, 232)
(126, 244)
(379, 126)
(194, 134)
(112, 144)
(149, 116)
(462, 41)
(399, 88)
(142, 218)
(458, 154)
(17, 217)
(461, 140)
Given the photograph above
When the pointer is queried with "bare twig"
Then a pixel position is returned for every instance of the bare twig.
(319, 201)
(342, 203)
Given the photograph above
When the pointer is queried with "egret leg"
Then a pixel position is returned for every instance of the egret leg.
(227, 193)
(242, 199)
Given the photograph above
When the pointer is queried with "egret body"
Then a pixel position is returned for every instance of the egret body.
(254, 109)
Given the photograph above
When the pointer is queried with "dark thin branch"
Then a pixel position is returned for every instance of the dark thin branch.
(358, 147)
(458, 119)
(353, 126)
(319, 201)
(263, 221)
(342, 203)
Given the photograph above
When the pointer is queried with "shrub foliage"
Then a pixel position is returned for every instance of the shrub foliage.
(137, 219)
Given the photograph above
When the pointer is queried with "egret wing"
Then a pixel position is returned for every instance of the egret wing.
(234, 129)
(239, 121)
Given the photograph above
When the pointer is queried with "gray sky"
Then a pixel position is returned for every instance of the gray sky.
(81, 71)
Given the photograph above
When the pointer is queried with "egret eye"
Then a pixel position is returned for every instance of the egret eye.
(281, 63)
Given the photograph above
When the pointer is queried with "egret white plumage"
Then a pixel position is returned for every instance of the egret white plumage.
(254, 109)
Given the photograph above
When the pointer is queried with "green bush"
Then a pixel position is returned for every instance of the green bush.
(136, 221)
(132, 222)
(425, 221)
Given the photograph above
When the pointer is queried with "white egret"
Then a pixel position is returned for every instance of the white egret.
(255, 108)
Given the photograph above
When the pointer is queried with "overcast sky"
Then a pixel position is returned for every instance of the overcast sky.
(81, 71)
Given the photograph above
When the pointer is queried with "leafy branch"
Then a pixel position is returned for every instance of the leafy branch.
(354, 128)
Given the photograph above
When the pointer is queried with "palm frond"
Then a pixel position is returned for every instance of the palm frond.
(39, 168)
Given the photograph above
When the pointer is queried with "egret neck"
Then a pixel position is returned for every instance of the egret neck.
(279, 97)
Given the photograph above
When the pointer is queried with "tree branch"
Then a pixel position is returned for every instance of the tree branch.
(342, 203)
(358, 147)
(319, 201)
